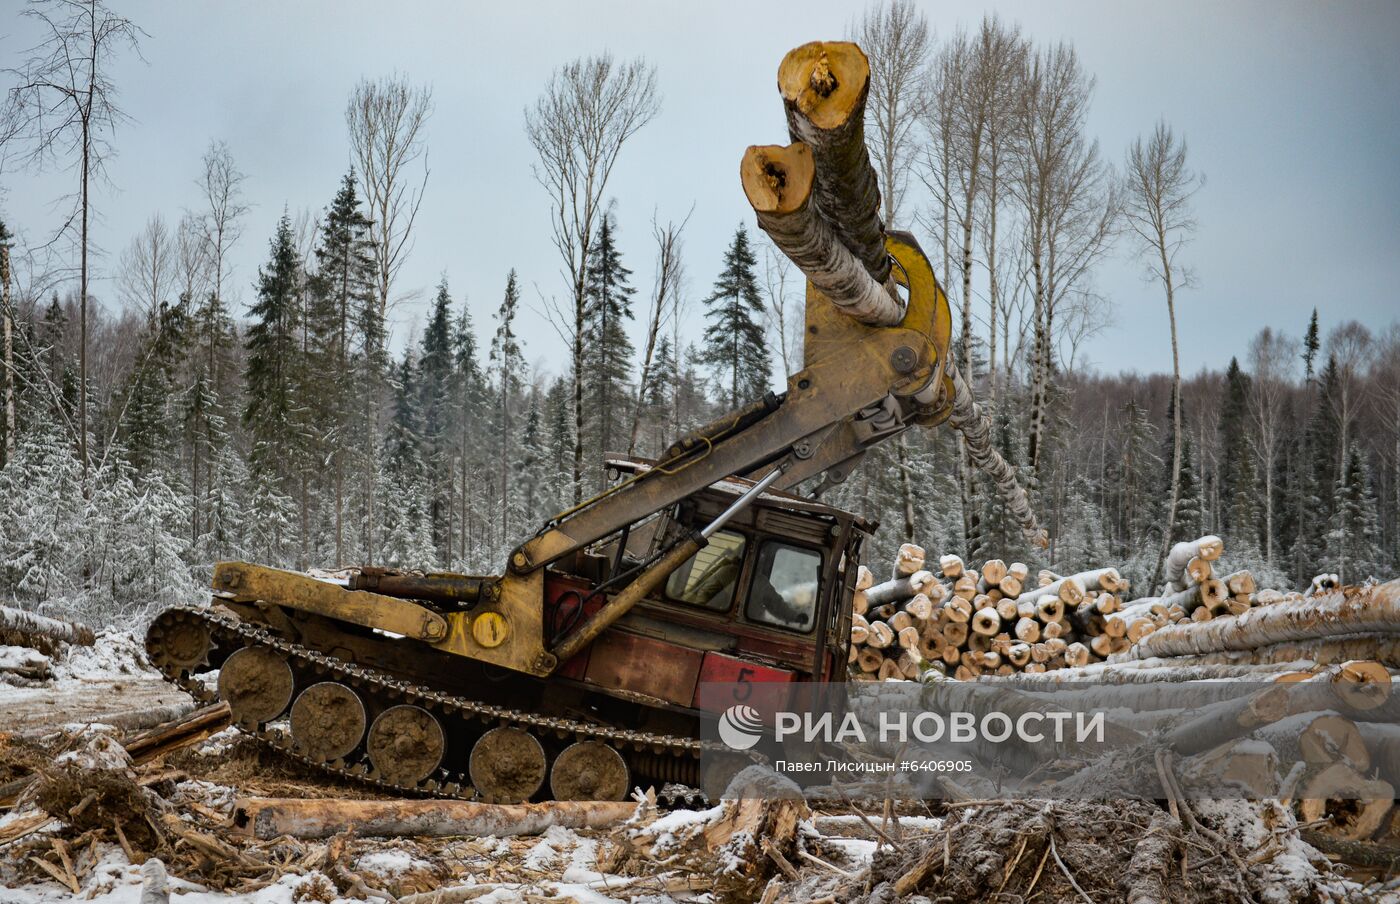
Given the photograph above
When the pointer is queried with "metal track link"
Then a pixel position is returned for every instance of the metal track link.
(229, 631)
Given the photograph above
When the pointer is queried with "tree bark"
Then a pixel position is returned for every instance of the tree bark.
(269, 818)
(7, 313)
(42, 626)
(824, 87)
(779, 183)
(1350, 610)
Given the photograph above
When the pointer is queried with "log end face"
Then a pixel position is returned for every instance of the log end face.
(777, 179)
(825, 80)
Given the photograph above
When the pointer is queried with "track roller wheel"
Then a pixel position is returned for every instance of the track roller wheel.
(589, 770)
(328, 721)
(507, 766)
(406, 744)
(182, 643)
(257, 683)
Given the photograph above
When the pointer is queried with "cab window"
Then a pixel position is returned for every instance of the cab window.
(707, 578)
(784, 591)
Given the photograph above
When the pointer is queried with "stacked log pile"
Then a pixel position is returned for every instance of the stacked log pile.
(965, 621)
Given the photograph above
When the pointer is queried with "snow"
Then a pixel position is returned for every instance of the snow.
(858, 851)
(389, 862)
(114, 880)
(21, 658)
(675, 827)
(116, 654)
(557, 840)
(218, 743)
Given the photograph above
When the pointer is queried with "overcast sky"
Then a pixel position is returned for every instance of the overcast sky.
(1290, 110)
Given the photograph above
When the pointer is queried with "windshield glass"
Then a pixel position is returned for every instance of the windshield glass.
(784, 591)
(707, 578)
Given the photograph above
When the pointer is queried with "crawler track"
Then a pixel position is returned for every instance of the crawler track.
(658, 758)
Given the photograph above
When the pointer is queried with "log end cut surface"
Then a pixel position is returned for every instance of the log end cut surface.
(776, 178)
(825, 80)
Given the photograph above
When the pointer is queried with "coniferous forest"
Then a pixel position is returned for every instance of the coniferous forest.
(151, 427)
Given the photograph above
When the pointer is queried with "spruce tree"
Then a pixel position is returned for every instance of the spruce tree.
(407, 521)
(735, 347)
(658, 398)
(344, 282)
(1239, 491)
(274, 358)
(1354, 534)
(1315, 495)
(559, 442)
(1311, 343)
(532, 482)
(435, 368)
(608, 358)
(147, 431)
(506, 356)
(346, 346)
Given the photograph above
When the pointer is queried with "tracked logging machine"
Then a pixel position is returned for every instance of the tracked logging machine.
(574, 674)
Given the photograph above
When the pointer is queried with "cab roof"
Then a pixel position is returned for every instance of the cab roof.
(737, 486)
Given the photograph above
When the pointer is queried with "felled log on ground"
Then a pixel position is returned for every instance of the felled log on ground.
(1210, 593)
(193, 728)
(268, 818)
(1229, 720)
(1341, 802)
(898, 589)
(1351, 610)
(1381, 648)
(1317, 739)
(37, 625)
(1239, 768)
(25, 663)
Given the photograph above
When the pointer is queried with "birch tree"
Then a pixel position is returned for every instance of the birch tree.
(662, 308)
(220, 222)
(1157, 208)
(1068, 202)
(148, 268)
(896, 39)
(975, 76)
(387, 119)
(1272, 360)
(1350, 344)
(588, 110)
(62, 106)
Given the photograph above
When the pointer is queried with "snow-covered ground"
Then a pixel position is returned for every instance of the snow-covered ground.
(89, 686)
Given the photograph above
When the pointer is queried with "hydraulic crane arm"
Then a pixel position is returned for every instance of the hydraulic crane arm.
(860, 385)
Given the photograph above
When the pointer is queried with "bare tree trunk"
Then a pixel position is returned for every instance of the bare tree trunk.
(906, 486)
(1176, 413)
(7, 303)
(579, 325)
(83, 304)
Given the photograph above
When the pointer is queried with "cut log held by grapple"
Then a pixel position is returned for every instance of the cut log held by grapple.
(824, 85)
(268, 818)
(35, 625)
(778, 182)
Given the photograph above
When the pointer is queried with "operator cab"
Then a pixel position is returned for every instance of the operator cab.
(767, 599)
